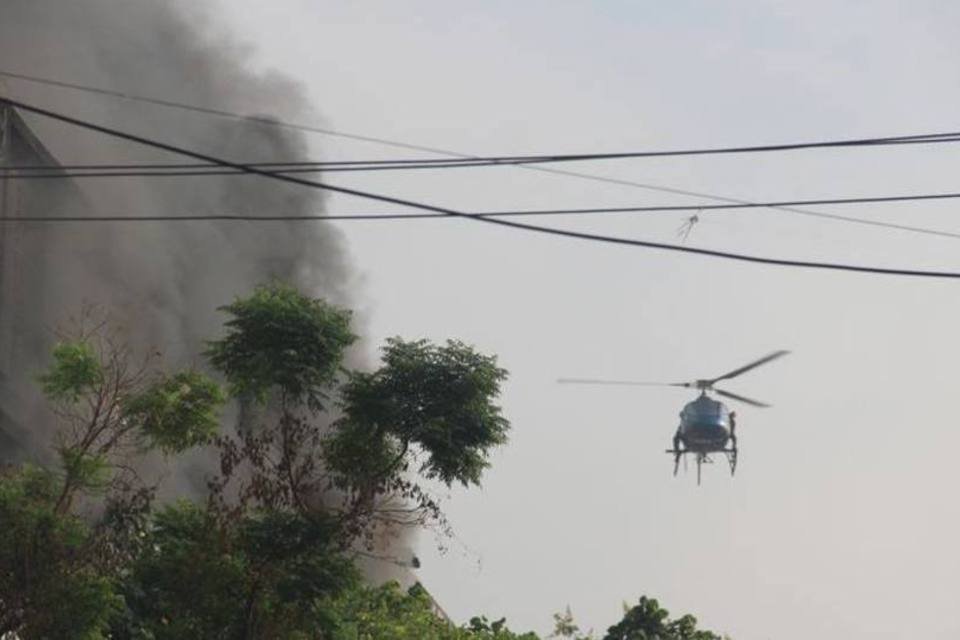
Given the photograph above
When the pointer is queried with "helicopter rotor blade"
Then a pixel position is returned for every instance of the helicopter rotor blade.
(621, 382)
(748, 367)
(734, 396)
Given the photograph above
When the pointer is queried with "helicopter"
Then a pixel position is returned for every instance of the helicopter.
(707, 426)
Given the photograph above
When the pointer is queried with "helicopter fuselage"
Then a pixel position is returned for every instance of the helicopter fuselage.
(705, 425)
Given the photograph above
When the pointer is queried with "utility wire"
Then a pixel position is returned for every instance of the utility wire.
(48, 172)
(923, 138)
(407, 164)
(496, 221)
(727, 199)
(197, 165)
(306, 164)
(190, 169)
(504, 214)
(464, 156)
(789, 206)
(215, 112)
(160, 166)
(56, 172)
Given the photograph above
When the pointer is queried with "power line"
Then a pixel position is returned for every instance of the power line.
(58, 173)
(215, 112)
(923, 138)
(407, 164)
(199, 169)
(459, 214)
(458, 155)
(505, 214)
(231, 217)
(196, 165)
(297, 167)
(14, 173)
(708, 196)
(788, 205)
(304, 164)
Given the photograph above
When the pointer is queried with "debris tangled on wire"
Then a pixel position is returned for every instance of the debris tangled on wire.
(687, 226)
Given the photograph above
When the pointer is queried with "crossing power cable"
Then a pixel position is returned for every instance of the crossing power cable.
(479, 218)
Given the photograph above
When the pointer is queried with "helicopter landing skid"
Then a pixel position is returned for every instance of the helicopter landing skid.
(704, 458)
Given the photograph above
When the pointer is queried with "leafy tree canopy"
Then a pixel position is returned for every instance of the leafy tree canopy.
(178, 412)
(438, 398)
(261, 578)
(43, 593)
(75, 370)
(647, 620)
(280, 339)
(390, 613)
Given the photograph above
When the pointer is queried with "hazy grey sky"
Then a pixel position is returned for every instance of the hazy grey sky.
(842, 521)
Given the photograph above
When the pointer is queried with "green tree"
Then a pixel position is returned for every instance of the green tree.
(283, 355)
(271, 543)
(279, 340)
(427, 402)
(110, 407)
(565, 627)
(438, 398)
(389, 613)
(260, 578)
(59, 572)
(481, 628)
(47, 588)
(647, 620)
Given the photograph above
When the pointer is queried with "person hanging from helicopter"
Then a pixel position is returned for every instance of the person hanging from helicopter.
(733, 429)
(677, 452)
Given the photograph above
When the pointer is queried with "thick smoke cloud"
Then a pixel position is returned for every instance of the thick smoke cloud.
(160, 282)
